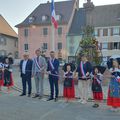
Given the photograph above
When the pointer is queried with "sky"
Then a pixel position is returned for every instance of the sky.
(15, 11)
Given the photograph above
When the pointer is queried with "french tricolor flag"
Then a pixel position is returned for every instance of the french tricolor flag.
(53, 15)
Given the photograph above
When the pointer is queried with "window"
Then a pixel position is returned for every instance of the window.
(58, 17)
(2, 41)
(26, 32)
(25, 47)
(116, 31)
(104, 45)
(31, 19)
(97, 32)
(113, 45)
(16, 54)
(45, 31)
(105, 32)
(116, 45)
(59, 46)
(45, 18)
(45, 46)
(60, 31)
(16, 43)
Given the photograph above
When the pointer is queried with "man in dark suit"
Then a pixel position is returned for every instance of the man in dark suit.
(26, 73)
(53, 70)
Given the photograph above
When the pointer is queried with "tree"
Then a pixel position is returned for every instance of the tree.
(89, 46)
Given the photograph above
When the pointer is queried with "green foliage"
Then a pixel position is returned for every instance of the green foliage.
(88, 45)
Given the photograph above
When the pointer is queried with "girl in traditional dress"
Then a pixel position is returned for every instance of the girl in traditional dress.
(114, 87)
(1, 75)
(8, 80)
(97, 87)
(69, 91)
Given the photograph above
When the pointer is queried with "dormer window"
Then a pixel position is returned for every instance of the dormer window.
(59, 17)
(118, 17)
(45, 18)
(31, 19)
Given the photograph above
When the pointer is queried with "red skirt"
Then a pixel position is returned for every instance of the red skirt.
(98, 96)
(112, 101)
(69, 92)
(1, 82)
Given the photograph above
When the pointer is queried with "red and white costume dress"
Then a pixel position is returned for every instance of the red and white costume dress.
(97, 87)
(1, 75)
(69, 91)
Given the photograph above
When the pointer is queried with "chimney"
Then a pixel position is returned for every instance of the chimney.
(77, 4)
(88, 5)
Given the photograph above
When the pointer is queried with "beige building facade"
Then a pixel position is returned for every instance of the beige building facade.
(8, 39)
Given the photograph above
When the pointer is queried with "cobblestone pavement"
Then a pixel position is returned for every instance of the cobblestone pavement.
(14, 107)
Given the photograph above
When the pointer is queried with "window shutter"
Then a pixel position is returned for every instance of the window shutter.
(111, 31)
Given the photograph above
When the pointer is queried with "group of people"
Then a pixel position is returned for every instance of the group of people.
(84, 73)
(37, 68)
(6, 73)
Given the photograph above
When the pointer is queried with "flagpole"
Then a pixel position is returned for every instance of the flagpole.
(53, 38)
(54, 25)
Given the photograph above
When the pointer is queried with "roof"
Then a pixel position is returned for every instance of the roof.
(79, 21)
(5, 28)
(99, 16)
(106, 15)
(63, 8)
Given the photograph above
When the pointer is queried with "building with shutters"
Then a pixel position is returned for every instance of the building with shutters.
(106, 22)
(8, 39)
(36, 30)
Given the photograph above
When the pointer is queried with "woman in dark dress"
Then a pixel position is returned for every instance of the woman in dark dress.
(68, 91)
(8, 80)
(1, 76)
(97, 87)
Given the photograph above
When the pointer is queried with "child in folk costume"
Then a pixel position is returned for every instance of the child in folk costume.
(114, 87)
(69, 91)
(8, 80)
(1, 75)
(97, 87)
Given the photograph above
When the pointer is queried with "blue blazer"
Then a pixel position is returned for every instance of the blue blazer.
(87, 68)
(56, 66)
(28, 70)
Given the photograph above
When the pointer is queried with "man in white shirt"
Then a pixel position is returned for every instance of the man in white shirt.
(26, 73)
